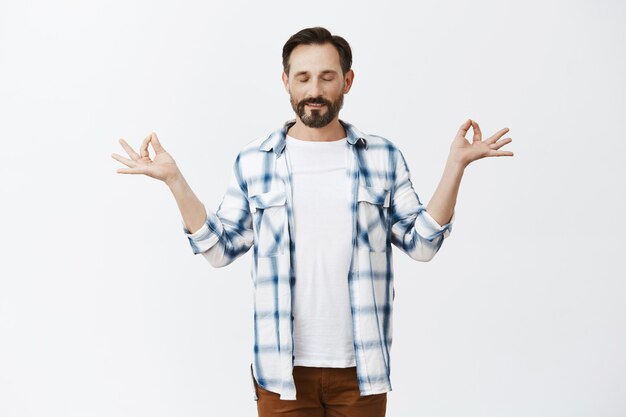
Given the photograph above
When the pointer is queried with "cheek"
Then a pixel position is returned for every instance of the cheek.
(296, 91)
(296, 94)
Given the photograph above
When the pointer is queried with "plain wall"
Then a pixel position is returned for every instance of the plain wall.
(104, 310)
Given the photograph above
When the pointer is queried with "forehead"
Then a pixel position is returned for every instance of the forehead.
(314, 58)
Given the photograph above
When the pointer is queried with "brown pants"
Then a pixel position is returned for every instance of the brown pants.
(322, 392)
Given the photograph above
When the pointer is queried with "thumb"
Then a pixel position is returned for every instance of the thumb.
(463, 129)
(156, 144)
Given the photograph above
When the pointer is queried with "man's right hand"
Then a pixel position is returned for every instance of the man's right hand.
(163, 167)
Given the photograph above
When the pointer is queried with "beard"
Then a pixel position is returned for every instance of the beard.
(317, 119)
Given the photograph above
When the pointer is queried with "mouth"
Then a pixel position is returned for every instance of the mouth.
(315, 105)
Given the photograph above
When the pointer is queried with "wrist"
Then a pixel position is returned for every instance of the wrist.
(175, 180)
(456, 165)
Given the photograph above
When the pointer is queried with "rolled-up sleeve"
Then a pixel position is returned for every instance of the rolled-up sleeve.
(227, 233)
(413, 229)
(207, 236)
(427, 226)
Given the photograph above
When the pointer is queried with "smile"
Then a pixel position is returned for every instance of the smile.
(315, 105)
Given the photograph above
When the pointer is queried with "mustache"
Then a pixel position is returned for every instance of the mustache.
(316, 100)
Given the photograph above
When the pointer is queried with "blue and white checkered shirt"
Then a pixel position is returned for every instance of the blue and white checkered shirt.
(256, 211)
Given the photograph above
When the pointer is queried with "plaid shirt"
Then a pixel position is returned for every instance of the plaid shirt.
(256, 212)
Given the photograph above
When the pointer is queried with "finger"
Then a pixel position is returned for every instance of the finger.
(156, 145)
(125, 161)
(134, 155)
(501, 143)
(144, 147)
(138, 170)
(464, 128)
(497, 135)
(499, 153)
(478, 136)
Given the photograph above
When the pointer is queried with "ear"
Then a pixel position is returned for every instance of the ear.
(348, 79)
(285, 81)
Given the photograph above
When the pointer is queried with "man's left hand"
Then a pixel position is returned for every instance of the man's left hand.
(464, 152)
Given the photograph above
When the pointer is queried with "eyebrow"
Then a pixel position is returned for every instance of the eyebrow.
(323, 72)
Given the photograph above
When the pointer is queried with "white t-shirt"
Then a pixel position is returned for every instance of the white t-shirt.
(323, 238)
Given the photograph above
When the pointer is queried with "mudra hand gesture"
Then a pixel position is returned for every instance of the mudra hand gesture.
(163, 167)
(464, 152)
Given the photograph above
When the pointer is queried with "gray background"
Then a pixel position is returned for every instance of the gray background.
(104, 310)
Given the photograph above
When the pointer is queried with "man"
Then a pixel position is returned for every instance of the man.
(320, 203)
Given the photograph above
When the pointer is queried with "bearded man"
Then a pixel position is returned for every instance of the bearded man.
(321, 204)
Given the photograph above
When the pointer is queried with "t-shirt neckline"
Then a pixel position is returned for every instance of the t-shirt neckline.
(302, 142)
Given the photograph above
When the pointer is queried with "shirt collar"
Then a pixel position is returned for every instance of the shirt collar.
(276, 140)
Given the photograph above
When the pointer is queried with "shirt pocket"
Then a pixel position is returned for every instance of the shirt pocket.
(269, 216)
(373, 215)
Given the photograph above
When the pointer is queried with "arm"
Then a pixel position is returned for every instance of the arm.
(462, 153)
(441, 204)
(413, 229)
(222, 236)
(191, 208)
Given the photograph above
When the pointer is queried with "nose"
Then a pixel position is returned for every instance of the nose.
(316, 88)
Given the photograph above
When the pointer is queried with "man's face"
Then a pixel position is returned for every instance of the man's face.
(316, 84)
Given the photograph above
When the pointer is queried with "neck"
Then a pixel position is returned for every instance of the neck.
(332, 131)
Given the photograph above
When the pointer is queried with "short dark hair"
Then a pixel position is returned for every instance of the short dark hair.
(318, 35)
